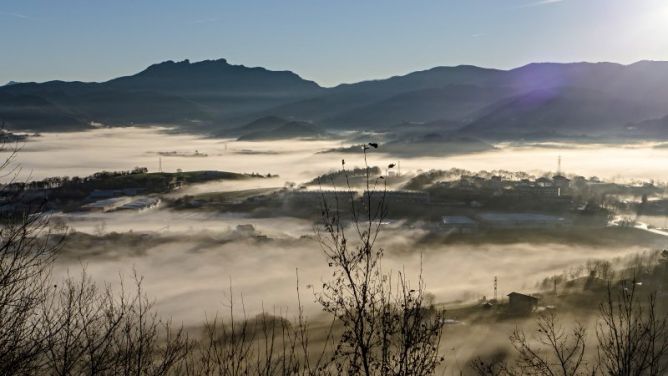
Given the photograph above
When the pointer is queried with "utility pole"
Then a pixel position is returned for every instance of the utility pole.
(555, 287)
(495, 289)
(160, 164)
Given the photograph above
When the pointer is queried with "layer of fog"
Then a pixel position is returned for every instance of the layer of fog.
(180, 222)
(68, 154)
(189, 275)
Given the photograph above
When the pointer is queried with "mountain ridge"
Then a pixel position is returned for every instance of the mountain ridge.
(212, 96)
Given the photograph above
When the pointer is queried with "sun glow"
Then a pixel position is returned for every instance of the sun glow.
(657, 19)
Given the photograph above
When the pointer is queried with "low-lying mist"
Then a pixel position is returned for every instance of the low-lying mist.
(189, 268)
(189, 259)
(83, 153)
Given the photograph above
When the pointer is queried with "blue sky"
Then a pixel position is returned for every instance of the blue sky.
(329, 41)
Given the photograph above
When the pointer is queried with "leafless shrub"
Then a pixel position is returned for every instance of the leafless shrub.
(96, 331)
(267, 344)
(24, 273)
(560, 352)
(27, 250)
(633, 338)
(76, 328)
(553, 350)
(385, 332)
(494, 364)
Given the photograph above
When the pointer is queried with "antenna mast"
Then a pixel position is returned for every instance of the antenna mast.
(495, 288)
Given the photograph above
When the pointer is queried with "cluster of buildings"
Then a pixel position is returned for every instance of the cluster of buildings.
(557, 186)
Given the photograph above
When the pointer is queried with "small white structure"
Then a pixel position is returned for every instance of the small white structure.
(459, 224)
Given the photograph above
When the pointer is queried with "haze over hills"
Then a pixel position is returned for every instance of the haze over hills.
(276, 128)
(215, 97)
(560, 110)
(26, 111)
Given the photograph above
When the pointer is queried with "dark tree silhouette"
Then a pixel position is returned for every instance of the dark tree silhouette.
(387, 327)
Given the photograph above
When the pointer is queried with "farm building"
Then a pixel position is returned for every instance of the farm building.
(521, 303)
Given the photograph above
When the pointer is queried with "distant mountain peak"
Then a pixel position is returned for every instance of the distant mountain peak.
(217, 75)
(275, 128)
(206, 66)
(171, 65)
(649, 62)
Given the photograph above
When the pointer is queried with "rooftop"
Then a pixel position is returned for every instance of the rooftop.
(523, 296)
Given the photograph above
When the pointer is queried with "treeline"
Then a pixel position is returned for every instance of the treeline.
(70, 182)
(650, 267)
(426, 179)
(139, 177)
(343, 177)
(68, 193)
